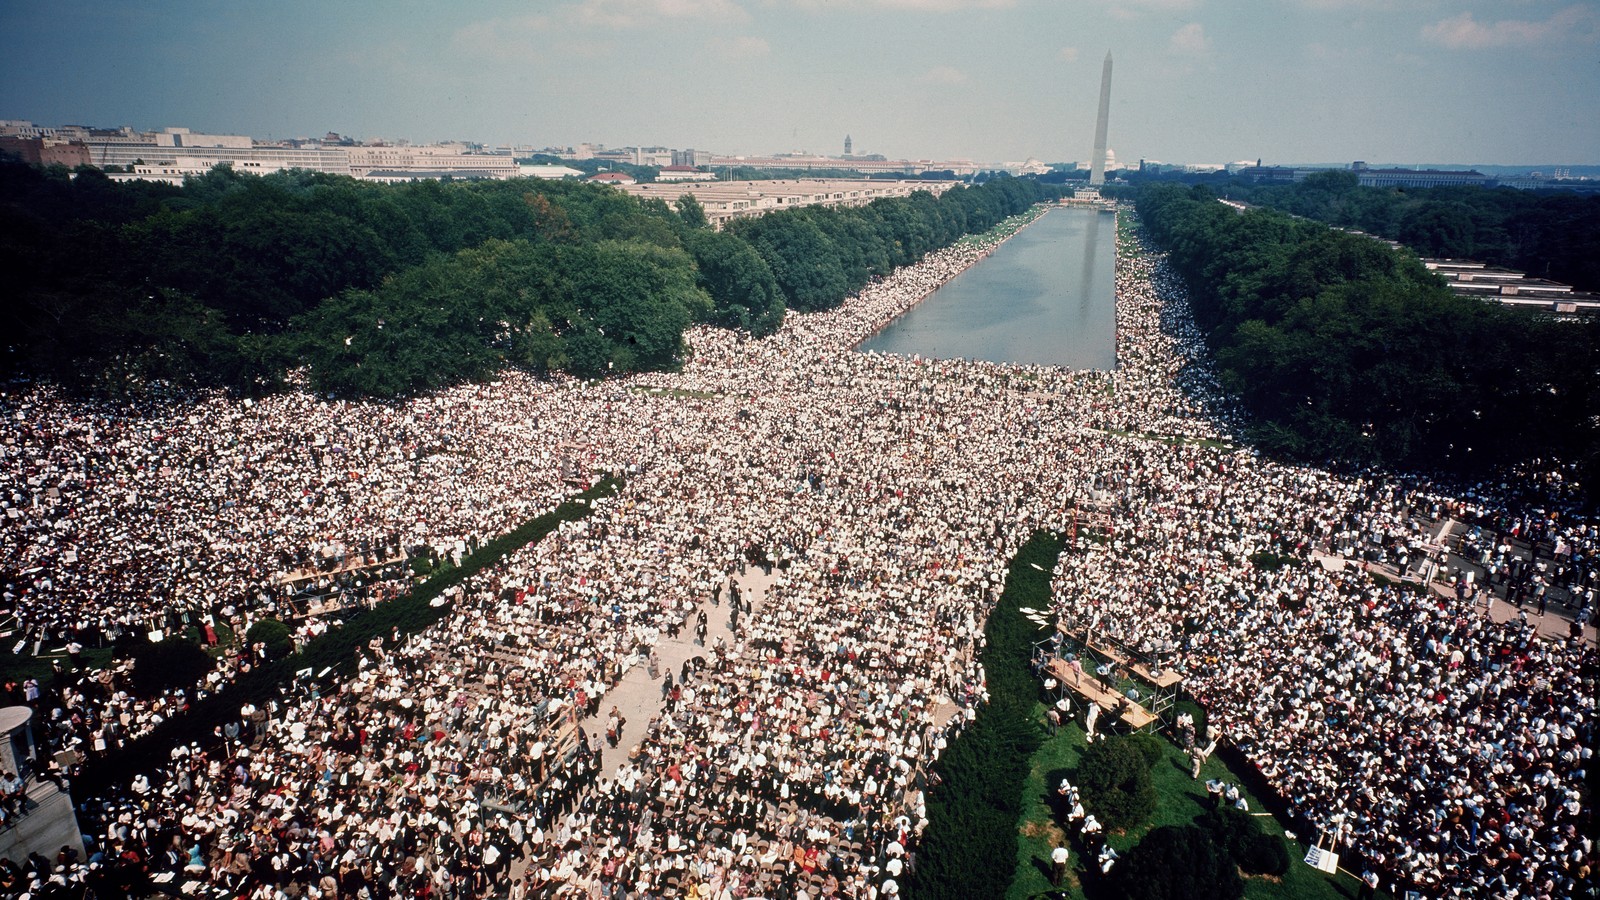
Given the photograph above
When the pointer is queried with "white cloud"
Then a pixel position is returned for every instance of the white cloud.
(943, 75)
(530, 37)
(1325, 52)
(510, 38)
(510, 35)
(1068, 54)
(945, 5)
(1335, 5)
(1464, 32)
(935, 6)
(744, 47)
(636, 13)
(1133, 9)
(1190, 40)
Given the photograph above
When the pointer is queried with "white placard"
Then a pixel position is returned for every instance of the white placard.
(1322, 860)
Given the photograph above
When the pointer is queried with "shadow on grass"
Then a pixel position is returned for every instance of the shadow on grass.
(1059, 806)
(1096, 886)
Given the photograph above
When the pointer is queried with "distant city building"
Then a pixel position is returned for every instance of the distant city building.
(175, 170)
(725, 201)
(1508, 287)
(684, 173)
(171, 153)
(651, 156)
(692, 158)
(400, 176)
(864, 164)
(183, 137)
(612, 178)
(427, 162)
(128, 149)
(1416, 178)
(1275, 174)
(41, 151)
(552, 172)
(848, 152)
(24, 129)
(1157, 167)
(1029, 167)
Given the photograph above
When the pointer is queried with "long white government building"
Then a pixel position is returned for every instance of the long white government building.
(173, 153)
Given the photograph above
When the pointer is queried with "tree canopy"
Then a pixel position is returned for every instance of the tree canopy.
(1549, 234)
(1114, 776)
(1347, 351)
(236, 280)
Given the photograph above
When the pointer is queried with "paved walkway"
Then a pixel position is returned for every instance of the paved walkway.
(638, 696)
(1555, 624)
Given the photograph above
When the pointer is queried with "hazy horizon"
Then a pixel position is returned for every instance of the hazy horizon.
(988, 80)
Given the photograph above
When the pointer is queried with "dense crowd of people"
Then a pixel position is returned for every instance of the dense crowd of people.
(1443, 748)
(886, 494)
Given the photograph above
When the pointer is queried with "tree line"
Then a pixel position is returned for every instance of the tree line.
(1346, 351)
(1548, 234)
(246, 282)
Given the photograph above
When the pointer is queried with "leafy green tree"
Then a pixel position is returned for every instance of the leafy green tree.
(235, 280)
(173, 663)
(1150, 747)
(743, 292)
(1346, 351)
(862, 253)
(274, 634)
(1114, 778)
(640, 297)
(803, 260)
(1439, 230)
(691, 212)
(424, 329)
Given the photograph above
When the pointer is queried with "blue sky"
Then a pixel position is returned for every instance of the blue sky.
(1512, 81)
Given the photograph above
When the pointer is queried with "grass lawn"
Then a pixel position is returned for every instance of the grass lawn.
(1180, 800)
(22, 666)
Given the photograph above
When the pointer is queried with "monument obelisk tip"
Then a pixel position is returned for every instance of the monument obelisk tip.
(1097, 168)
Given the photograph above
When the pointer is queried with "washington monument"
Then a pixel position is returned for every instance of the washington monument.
(1097, 170)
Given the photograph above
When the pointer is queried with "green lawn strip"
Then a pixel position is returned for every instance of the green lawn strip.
(1180, 800)
(338, 649)
(970, 843)
(20, 667)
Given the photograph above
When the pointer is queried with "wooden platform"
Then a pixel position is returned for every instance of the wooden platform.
(1166, 679)
(313, 572)
(1085, 685)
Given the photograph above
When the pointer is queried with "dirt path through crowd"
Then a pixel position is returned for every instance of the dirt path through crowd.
(638, 696)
